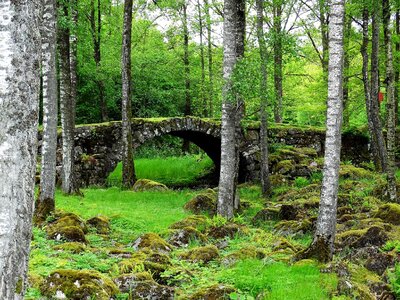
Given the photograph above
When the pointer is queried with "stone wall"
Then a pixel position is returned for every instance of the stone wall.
(98, 147)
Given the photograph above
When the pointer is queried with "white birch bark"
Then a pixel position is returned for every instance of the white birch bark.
(19, 95)
(45, 202)
(390, 106)
(323, 243)
(233, 49)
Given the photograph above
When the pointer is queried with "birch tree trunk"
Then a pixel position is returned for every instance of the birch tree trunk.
(19, 97)
(45, 202)
(210, 60)
(390, 105)
(323, 243)
(231, 106)
(277, 7)
(128, 168)
(67, 105)
(265, 182)
(377, 139)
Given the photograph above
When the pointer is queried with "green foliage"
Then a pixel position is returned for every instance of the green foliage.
(395, 280)
(301, 182)
(279, 281)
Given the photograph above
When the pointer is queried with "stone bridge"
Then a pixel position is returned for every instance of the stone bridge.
(98, 146)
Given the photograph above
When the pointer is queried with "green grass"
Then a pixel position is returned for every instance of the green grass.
(170, 170)
(280, 281)
(130, 212)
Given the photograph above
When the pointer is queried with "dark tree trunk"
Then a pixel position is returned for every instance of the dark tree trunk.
(128, 168)
(188, 100)
(397, 68)
(67, 106)
(45, 202)
(265, 182)
(377, 139)
(210, 61)
(232, 106)
(324, 20)
(346, 71)
(390, 105)
(278, 59)
(202, 62)
(96, 37)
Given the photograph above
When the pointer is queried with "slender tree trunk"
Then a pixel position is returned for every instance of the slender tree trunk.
(210, 60)
(19, 99)
(278, 60)
(366, 83)
(324, 33)
(188, 100)
(390, 105)
(347, 36)
(323, 244)
(96, 37)
(202, 62)
(231, 106)
(397, 68)
(265, 182)
(67, 107)
(128, 168)
(45, 202)
(377, 139)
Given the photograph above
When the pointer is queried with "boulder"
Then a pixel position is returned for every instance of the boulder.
(228, 230)
(142, 185)
(202, 203)
(148, 289)
(100, 223)
(389, 212)
(201, 254)
(198, 222)
(214, 292)
(182, 237)
(152, 241)
(78, 285)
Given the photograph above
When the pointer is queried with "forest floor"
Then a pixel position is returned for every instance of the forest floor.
(165, 244)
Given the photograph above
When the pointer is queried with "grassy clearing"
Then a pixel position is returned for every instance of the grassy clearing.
(169, 170)
(131, 213)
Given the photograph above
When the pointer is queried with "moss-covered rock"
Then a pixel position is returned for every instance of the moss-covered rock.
(198, 222)
(228, 230)
(352, 172)
(100, 223)
(148, 289)
(182, 237)
(142, 185)
(202, 203)
(68, 219)
(294, 227)
(389, 212)
(214, 292)
(283, 244)
(66, 233)
(266, 214)
(73, 247)
(78, 285)
(201, 254)
(134, 264)
(248, 252)
(277, 180)
(152, 241)
(126, 281)
(379, 262)
(284, 167)
(372, 236)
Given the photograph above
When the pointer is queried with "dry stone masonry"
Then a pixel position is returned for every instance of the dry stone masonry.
(98, 146)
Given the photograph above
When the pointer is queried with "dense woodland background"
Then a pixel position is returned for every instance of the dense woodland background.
(158, 60)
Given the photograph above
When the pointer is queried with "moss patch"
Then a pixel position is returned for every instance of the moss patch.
(148, 185)
(201, 254)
